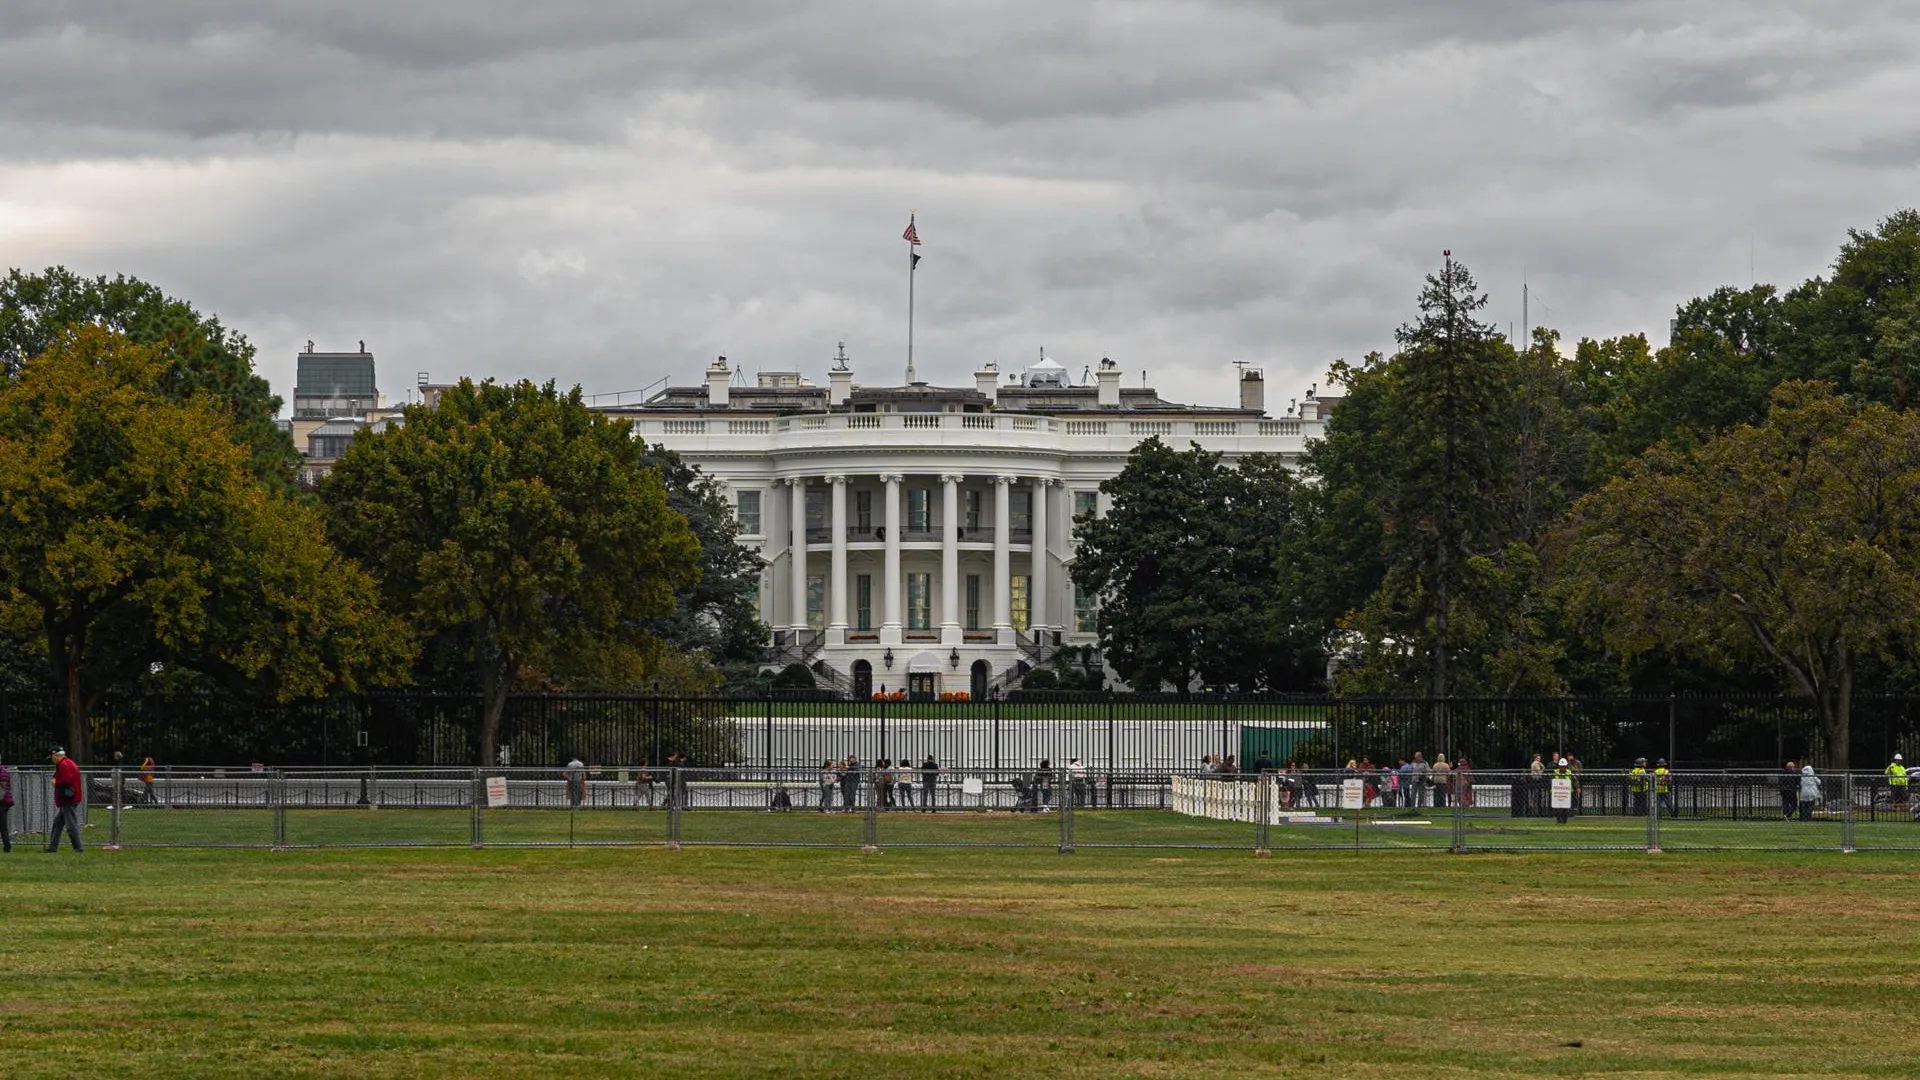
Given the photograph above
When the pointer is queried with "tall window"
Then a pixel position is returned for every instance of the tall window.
(973, 601)
(919, 509)
(1086, 617)
(747, 511)
(1086, 503)
(919, 601)
(816, 510)
(816, 602)
(1020, 511)
(1020, 605)
(863, 511)
(973, 498)
(863, 602)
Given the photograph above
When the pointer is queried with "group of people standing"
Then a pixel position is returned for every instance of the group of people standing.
(1415, 783)
(893, 782)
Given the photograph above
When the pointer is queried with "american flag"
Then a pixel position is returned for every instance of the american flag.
(912, 235)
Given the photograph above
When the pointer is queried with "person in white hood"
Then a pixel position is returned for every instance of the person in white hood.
(1809, 792)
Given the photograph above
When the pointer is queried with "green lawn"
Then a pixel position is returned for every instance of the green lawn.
(723, 961)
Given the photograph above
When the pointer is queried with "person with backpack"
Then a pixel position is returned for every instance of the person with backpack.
(67, 794)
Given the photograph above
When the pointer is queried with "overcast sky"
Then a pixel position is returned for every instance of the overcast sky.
(608, 193)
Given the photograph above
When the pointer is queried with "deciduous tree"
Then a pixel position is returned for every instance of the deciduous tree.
(1795, 542)
(134, 532)
(1182, 565)
(522, 533)
(199, 357)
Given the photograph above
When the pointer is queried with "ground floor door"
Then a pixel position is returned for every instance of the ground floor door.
(862, 680)
(920, 685)
(982, 671)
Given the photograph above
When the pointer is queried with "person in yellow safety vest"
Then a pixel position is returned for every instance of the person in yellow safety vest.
(1637, 784)
(1663, 786)
(1897, 782)
(1562, 772)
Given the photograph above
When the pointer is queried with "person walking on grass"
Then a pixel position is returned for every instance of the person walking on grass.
(67, 794)
(1789, 790)
(1442, 781)
(1897, 783)
(1809, 792)
(6, 808)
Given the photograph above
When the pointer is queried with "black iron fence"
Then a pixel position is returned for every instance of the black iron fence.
(1155, 734)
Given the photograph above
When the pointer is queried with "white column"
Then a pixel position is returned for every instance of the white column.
(950, 633)
(1037, 585)
(1002, 561)
(890, 584)
(837, 582)
(798, 512)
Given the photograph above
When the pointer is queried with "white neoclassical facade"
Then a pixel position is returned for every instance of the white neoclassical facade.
(919, 538)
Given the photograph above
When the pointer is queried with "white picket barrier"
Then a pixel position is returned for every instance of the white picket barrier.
(1235, 800)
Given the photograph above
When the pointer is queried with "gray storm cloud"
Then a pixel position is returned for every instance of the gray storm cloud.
(611, 193)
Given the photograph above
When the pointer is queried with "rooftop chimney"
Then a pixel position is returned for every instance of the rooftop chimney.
(1108, 378)
(1253, 390)
(719, 378)
(987, 381)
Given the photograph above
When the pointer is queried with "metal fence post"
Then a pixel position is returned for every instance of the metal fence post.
(673, 808)
(1846, 815)
(1653, 811)
(1459, 815)
(1064, 783)
(477, 798)
(870, 831)
(1263, 816)
(119, 798)
(279, 810)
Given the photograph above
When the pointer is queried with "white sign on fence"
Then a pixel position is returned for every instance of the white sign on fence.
(973, 785)
(496, 792)
(1353, 794)
(1562, 793)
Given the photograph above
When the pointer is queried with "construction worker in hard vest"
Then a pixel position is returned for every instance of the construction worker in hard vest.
(1897, 782)
(1663, 786)
(1637, 785)
(1562, 771)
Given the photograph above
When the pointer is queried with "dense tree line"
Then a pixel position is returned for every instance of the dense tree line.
(151, 539)
(1484, 517)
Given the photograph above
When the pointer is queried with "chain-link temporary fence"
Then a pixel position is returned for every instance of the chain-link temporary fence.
(855, 805)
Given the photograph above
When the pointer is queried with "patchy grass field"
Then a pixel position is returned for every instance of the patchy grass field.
(825, 963)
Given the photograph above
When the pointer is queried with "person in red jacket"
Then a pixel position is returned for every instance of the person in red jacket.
(66, 800)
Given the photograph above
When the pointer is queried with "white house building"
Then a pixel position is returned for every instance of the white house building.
(918, 537)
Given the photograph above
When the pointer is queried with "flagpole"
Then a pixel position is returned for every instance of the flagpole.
(913, 264)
